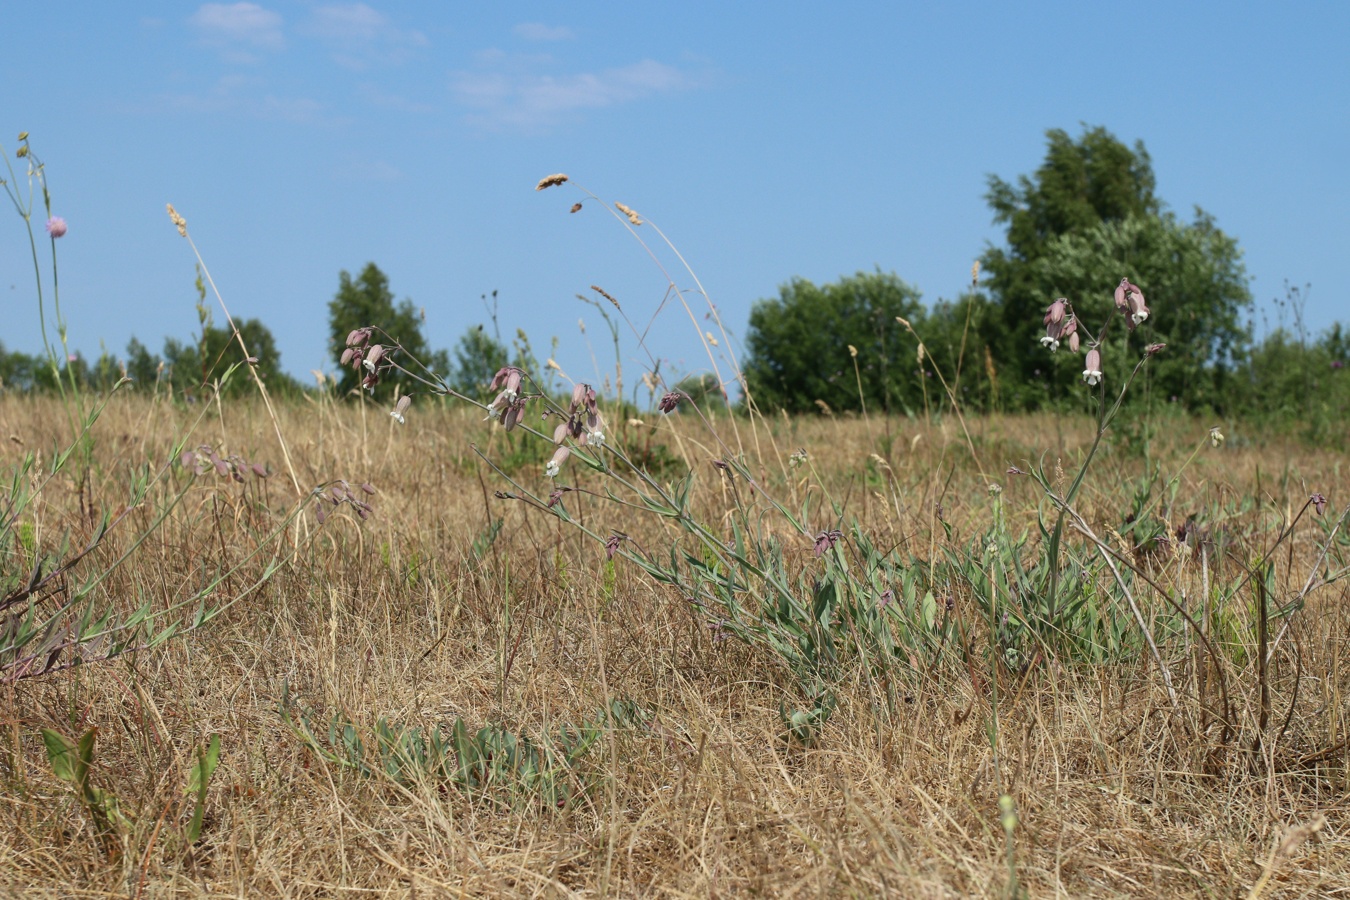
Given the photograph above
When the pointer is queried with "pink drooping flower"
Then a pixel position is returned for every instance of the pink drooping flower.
(56, 227)
(1092, 367)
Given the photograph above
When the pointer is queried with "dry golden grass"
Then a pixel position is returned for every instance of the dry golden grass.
(1118, 794)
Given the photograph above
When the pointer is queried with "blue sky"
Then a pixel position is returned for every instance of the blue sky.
(767, 141)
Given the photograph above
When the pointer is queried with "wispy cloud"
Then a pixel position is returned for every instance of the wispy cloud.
(246, 96)
(238, 30)
(360, 36)
(375, 97)
(530, 101)
(538, 31)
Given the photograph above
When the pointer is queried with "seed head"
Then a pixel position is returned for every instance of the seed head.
(669, 402)
(1215, 436)
(551, 181)
(629, 212)
(179, 222)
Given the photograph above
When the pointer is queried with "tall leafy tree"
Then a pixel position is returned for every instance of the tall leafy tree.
(192, 366)
(1085, 219)
(798, 345)
(367, 300)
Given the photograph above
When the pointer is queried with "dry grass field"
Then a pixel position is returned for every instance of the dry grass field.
(617, 739)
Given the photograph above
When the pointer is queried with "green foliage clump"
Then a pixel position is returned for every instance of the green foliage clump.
(367, 299)
(799, 345)
(1085, 219)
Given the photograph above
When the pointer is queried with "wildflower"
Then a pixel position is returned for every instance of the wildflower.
(887, 596)
(1215, 436)
(509, 377)
(549, 181)
(1337, 364)
(995, 489)
(612, 545)
(1154, 349)
(1319, 502)
(373, 356)
(555, 462)
(797, 458)
(56, 227)
(827, 539)
(1130, 301)
(669, 402)
(556, 495)
(1092, 367)
(596, 439)
(400, 408)
(1055, 313)
(1013, 470)
(1060, 324)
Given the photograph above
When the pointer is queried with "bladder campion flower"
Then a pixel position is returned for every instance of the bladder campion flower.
(1130, 301)
(1092, 367)
(1319, 502)
(1215, 436)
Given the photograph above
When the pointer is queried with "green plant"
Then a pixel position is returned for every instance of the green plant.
(73, 763)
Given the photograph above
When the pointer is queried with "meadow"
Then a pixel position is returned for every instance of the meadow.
(820, 655)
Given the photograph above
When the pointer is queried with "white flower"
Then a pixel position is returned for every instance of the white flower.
(551, 470)
(596, 439)
(1139, 316)
(1050, 342)
(398, 417)
(1215, 436)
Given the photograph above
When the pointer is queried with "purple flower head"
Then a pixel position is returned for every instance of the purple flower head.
(1319, 502)
(612, 545)
(1154, 349)
(1337, 364)
(887, 597)
(827, 539)
(669, 402)
(56, 227)
(1013, 470)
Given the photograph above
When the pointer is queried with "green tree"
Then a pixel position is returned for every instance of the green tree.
(478, 356)
(1085, 219)
(191, 368)
(367, 300)
(798, 345)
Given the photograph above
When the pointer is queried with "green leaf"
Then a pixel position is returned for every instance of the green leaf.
(63, 756)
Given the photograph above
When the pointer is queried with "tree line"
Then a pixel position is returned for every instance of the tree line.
(1087, 217)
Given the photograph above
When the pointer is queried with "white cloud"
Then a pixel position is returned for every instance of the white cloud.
(538, 31)
(239, 28)
(359, 36)
(532, 101)
(246, 96)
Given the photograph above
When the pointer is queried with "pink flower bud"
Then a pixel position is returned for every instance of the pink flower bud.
(1055, 313)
